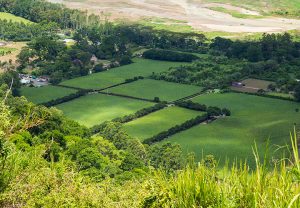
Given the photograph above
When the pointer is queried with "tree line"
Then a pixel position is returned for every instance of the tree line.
(168, 55)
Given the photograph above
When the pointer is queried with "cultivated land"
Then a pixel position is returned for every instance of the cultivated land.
(140, 67)
(253, 85)
(94, 109)
(196, 13)
(46, 93)
(253, 118)
(149, 89)
(13, 18)
(159, 121)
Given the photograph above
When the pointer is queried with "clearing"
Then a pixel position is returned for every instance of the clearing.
(159, 121)
(253, 118)
(140, 67)
(149, 89)
(44, 94)
(252, 85)
(94, 109)
(13, 18)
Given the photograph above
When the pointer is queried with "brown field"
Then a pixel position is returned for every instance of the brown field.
(16, 46)
(15, 50)
(195, 13)
(253, 85)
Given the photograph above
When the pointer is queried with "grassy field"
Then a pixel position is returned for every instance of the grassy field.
(265, 6)
(159, 121)
(253, 119)
(148, 88)
(13, 18)
(44, 94)
(4, 50)
(97, 108)
(140, 67)
(280, 94)
(235, 13)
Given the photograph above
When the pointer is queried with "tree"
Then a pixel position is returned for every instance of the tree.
(297, 92)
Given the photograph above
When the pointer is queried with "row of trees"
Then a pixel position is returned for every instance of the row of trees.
(140, 113)
(167, 55)
(176, 129)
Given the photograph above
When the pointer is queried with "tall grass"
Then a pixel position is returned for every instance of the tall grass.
(204, 185)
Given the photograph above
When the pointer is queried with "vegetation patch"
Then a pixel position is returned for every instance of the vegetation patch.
(13, 18)
(140, 67)
(151, 89)
(95, 109)
(45, 94)
(253, 118)
(159, 121)
(235, 13)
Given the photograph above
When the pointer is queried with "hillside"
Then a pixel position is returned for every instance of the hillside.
(148, 113)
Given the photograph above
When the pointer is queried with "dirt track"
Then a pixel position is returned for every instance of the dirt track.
(196, 14)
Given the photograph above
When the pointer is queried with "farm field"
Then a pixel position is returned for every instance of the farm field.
(44, 94)
(253, 118)
(140, 67)
(252, 85)
(148, 88)
(13, 18)
(94, 109)
(159, 121)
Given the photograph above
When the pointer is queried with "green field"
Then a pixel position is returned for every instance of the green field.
(159, 121)
(148, 88)
(265, 6)
(94, 109)
(5, 50)
(140, 67)
(235, 13)
(253, 118)
(13, 18)
(44, 94)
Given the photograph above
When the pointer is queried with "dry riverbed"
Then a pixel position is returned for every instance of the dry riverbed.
(193, 12)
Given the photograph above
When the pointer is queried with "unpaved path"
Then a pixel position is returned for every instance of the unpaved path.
(196, 14)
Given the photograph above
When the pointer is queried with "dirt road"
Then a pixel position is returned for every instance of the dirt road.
(194, 12)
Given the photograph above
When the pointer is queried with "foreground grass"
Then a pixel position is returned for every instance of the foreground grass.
(149, 89)
(253, 118)
(13, 18)
(140, 67)
(44, 94)
(159, 121)
(203, 185)
(94, 109)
